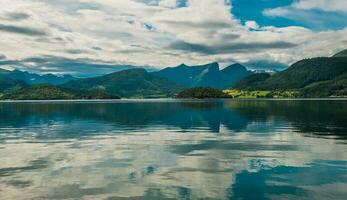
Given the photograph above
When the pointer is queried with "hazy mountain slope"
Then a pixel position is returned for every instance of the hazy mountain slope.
(233, 73)
(127, 83)
(7, 85)
(31, 78)
(341, 54)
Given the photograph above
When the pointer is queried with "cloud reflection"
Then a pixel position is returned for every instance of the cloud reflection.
(48, 157)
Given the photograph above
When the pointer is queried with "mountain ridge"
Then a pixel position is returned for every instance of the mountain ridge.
(135, 82)
(34, 79)
(208, 75)
(313, 77)
(342, 53)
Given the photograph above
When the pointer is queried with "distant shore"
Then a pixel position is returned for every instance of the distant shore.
(172, 100)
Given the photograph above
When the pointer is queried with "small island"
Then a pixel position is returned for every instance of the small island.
(202, 93)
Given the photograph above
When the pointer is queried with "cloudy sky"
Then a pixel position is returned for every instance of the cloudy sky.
(90, 37)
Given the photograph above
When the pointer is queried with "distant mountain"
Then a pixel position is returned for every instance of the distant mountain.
(49, 92)
(8, 85)
(267, 71)
(204, 75)
(316, 77)
(3, 70)
(32, 79)
(232, 74)
(128, 83)
(53, 79)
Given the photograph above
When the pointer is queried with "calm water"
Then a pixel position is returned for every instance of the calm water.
(167, 149)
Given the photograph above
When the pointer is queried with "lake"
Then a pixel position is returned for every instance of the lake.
(174, 149)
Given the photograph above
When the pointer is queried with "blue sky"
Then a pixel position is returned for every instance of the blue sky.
(252, 10)
(315, 19)
(91, 37)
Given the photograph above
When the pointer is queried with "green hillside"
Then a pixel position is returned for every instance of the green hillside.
(252, 81)
(128, 83)
(316, 77)
(306, 72)
(331, 88)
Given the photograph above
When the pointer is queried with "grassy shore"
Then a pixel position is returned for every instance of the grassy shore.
(260, 94)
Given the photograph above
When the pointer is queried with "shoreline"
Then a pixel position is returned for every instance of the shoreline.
(171, 100)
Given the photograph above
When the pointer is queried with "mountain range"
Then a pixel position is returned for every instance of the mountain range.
(314, 77)
(34, 79)
(208, 75)
(128, 83)
(138, 82)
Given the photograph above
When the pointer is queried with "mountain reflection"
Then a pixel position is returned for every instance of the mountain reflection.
(170, 149)
(313, 118)
(316, 118)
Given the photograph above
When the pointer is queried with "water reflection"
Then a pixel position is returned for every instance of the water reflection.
(312, 118)
(320, 118)
(306, 182)
(174, 150)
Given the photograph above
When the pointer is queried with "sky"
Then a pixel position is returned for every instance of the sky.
(92, 37)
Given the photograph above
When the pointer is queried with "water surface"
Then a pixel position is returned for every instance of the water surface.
(170, 149)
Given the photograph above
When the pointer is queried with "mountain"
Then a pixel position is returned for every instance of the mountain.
(233, 73)
(204, 75)
(341, 54)
(128, 83)
(306, 72)
(3, 71)
(49, 92)
(331, 88)
(53, 79)
(185, 75)
(32, 79)
(252, 81)
(8, 85)
(316, 77)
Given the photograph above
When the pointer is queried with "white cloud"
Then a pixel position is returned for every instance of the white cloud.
(252, 24)
(168, 3)
(316, 14)
(325, 5)
(141, 32)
